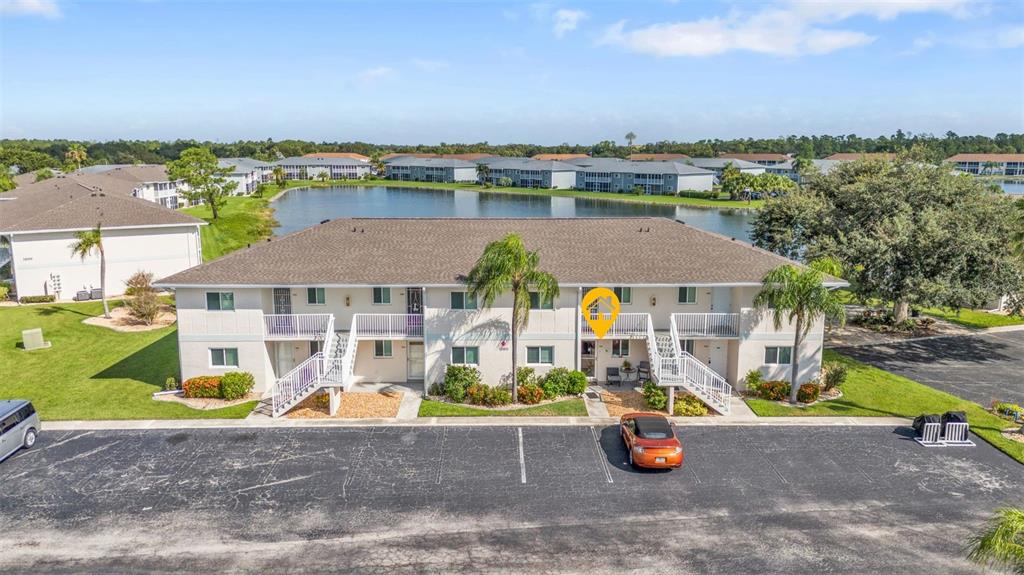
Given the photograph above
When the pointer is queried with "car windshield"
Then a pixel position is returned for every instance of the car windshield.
(653, 428)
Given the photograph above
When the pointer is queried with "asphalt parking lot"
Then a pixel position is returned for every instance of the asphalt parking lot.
(980, 368)
(536, 499)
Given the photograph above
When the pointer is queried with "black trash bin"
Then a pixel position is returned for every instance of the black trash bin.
(920, 420)
(953, 417)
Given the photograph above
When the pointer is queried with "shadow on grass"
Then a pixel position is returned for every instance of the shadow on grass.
(152, 364)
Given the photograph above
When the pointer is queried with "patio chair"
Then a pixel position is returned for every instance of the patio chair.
(643, 371)
(613, 376)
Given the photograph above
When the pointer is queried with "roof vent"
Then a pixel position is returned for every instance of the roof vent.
(324, 221)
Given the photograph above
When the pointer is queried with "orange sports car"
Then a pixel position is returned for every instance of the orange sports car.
(651, 441)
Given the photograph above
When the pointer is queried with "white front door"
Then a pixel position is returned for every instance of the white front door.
(414, 361)
(285, 357)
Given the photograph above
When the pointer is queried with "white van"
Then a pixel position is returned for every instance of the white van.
(19, 426)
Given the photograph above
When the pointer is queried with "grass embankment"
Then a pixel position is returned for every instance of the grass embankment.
(240, 221)
(626, 197)
(92, 372)
(569, 407)
(972, 318)
(869, 391)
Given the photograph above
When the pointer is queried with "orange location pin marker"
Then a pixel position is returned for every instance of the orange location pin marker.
(600, 307)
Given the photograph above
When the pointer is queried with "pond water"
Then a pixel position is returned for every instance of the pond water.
(304, 207)
(1015, 187)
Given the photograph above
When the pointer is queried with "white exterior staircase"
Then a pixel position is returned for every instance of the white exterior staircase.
(673, 367)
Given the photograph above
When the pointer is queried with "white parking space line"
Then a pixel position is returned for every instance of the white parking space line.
(440, 457)
(522, 458)
(600, 455)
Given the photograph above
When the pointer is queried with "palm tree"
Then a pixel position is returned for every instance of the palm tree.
(323, 176)
(506, 266)
(630, 138)
(279, 175)
(801, 295)
(84, 244)
(76, 155)
(1001, 544)
(483, 173)
(989, 167)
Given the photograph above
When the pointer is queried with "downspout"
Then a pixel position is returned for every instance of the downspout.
(578, 352)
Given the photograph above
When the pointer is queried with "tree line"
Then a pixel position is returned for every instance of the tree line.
(32, 154)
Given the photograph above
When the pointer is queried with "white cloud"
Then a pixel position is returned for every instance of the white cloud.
(372, 76)
(567, 20)
(429, 65)
(1010, 37)
(44, 8)
(785, 28)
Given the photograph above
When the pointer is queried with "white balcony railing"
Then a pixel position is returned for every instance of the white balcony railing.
(388, 325)
(707, 324)
(627, 325)
(296, 326)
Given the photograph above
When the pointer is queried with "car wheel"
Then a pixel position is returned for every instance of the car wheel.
(30, 438)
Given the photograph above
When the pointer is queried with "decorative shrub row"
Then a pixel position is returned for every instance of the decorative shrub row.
(462, 384)
(561, 381)
(687, 405)
(232, 385)
(38, 299)
(483, 394)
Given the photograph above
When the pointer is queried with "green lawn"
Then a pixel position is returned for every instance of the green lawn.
(870, 391)
(569, 407)
(971, 318)
(670, 200)
(242, 220)
(91, 372)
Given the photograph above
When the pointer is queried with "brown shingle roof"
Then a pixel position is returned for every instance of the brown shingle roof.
(754, 157)
(1000, 158)
(134, 174)
(351, 155)
(80, 202)
(657, 157)
(431, 251)
(852, 156)
(412, 154)
(558, 157)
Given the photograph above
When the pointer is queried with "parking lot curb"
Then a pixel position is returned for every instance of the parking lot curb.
(462, 422)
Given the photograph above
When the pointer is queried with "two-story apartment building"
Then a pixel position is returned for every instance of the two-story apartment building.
(760, 158)
(417, 169)
(311, 167)
(989, 164)
(615, 175)
(384, 300)
(530, 173)
(248, 173)
(787, 169)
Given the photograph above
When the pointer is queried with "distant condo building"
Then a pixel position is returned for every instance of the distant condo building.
(615, 175)
(764, 159)
(989, 164)
(312, 167)
(530, 173)
(416, 169)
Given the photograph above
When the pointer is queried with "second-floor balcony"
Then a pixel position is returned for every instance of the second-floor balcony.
(389, 325)
(710, 325)
(279, 326)
(314, 326)
(626, 326)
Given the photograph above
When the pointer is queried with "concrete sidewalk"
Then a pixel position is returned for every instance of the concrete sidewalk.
(466, 422)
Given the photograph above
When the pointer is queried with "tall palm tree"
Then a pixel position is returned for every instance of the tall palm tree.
(801, 296)
(1001, 544)
(84, 244)
(630, 138)
(483, 173)
(76, 155)
(506, 266)
(279, 175)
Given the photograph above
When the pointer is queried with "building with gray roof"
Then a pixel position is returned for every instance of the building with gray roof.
(787, 169)
(416, 169)
(530, 173)
(655, 177)
(314, 167)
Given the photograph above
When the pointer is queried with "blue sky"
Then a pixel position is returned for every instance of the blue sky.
(578, 72)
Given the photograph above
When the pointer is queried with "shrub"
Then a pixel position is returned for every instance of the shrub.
(202, 386)
(236, 384)
(774, 390)
(144, 306)
(4, 290)
(655, 396)
(526, 376)
(322, 400)
(457, 379)
(436, 389)
(499, 395)
(753, 380)
(808, 392)
(530, 393)
(556, 382)
(38, 299)
(483, 394)
(577, 383)
(833, 374)
(170, 384)
(688, 405)
(139, 282)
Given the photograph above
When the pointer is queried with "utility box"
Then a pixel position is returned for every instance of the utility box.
(33, 339)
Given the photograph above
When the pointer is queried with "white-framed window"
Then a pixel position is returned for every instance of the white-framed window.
(462, 355)
(686, 345)
(220, 301)
(316, 296)
(544, 354)
(382, 348)
(381, 296)
(315, 347)
(624, 294)
(463, 300)
(780, 355)
(537, 302)
(620, 348)
(223, 357)
(687, 295)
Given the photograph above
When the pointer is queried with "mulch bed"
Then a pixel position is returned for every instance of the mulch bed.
(627, 401)
(121, 320)
(354, 405)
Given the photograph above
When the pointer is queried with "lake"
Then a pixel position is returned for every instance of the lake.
(303, 207)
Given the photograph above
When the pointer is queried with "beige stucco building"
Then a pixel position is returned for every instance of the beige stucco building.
(383, 300)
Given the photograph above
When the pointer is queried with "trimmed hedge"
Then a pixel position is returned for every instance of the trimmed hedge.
(687, 405)
(207, 386)
(236, 384)
(38, 299)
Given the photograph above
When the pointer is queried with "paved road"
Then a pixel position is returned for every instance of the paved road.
(450, 500)
(981, 368)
